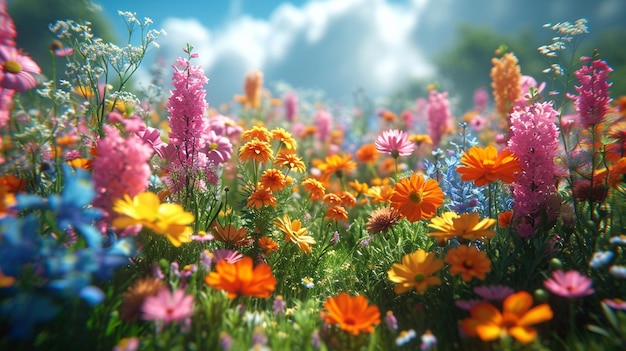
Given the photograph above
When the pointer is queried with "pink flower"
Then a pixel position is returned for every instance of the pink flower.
(481, 99)
(570, 284)
(592, 102)
(439, 116)
(323, 122)
(217, 148)
(17, 70)
(127, 344)
(291, 106)
(395, 143)
(167, 307)
(225, 126)
(229, 255)
(7, 27)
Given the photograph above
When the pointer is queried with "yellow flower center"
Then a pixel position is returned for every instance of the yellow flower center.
(416, 197)
(419, 277)
(213, 146)
(12, 67)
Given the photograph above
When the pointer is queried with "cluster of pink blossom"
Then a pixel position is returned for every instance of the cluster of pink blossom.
(439, 116)
(120, 167)
(534, 139)
(592, 102)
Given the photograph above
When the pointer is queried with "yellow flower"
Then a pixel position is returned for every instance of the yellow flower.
(294, 232)
(284, 138)
(466, 226)
(146, 209)
(415, 272)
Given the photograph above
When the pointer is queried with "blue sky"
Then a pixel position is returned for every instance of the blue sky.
(335, 46)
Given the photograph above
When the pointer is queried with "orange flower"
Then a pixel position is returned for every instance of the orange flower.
(256, 150)
(242, 278)
(469, 262)
(359, 187)
(81, 162)
(267, 244)
(352, 314)
(273, 179)
(516, 319)
(337, 165)
(504, 218)
(261, 197)
(12, 183)
(506, 82)
(230, 234)
(256, 132)
(252, 88)
(367, 153)
(420, 139)
(415, 272)
(417, 198)
(284, 138)
(331, 199)
(294, 232)
(315, 188)
(337, 213)
(483, 166)
(466, 226)
(347, 199)
(290, 160)
(380, 193)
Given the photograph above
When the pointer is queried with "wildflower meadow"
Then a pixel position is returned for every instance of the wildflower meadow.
(137, 220)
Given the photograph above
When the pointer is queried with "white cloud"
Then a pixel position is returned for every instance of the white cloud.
(337, 46)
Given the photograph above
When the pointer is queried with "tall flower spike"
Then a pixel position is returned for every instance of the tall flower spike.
(506, 82)
(592, 102)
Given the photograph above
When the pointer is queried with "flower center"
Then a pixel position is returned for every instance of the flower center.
(468, 263)
(349, 321)
(419, 277)
(12, 67)
(395, 153)
(213, 146)
(416, 197)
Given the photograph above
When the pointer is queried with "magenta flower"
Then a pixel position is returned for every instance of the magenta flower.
(592, 102)
(291, 106)
(395, 143)
(570, 284)
(167, 307)
(217, 148)
(17, 70)
(439, 116)
(7, 27)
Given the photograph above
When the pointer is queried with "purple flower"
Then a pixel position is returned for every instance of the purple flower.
(391, 321)
(493, 292)
(229, 255)
(279, 306)
(570, 284)
(291, 106)
(395, 143)
(168, 307)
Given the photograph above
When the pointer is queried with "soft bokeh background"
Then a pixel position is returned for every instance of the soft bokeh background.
(385, 48)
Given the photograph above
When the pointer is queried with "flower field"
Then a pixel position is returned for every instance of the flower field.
(138, 220)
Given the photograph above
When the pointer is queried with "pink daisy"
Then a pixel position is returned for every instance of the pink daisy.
(395, 143)
(168, 307)
(570, 284)
(17, 70)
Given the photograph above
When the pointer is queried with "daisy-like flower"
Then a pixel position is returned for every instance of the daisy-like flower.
(367, 153)
(337, 213)
(380, 193)
(483, 166)
(469, 262)
(570, 284)
(17, 70)
(295, 233)
(289, 160)
(331, 199)
(493, 292)
(315, 188)
(337, 165)
(242, 278)
(415, 272)
(273, 179)
(256, 150)
(267, 244)
(617, 304)
(417, 198)
(352, 314)
(395, 143)
(420, 139)
(133, 299)
(284, 138)
(146, 209)
(257, 132)
(382, 220)
(261, 197)
(516, 319)
(166, 307)
(230, 235)
(466, 226)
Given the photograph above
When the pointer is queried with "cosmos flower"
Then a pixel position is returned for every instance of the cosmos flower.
(166, 307)
(395, 143)
(352, 314)
(415, 272)
(242, 278)
(17, 70)
(570, 284)
(417, 198)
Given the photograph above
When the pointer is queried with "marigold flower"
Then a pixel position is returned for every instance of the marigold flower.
(516, 319)
(229, 234)
(273, 179)
(382, 220)
(352, 314)
(261, 197)
(483, 166)
(367, 153)
(337, 213)
(338, 165)
(415, 272)
(315, 188)
(360, 188)
(256, 132)
(284, 138)
(331, 199)
(466, 226)
(241, 278)
(289, 160)
(256, 150)
(146, 209)
(570, 284)
(295, 233)
(417, 198)
(267, 244)
(347, 199)
(469, 262)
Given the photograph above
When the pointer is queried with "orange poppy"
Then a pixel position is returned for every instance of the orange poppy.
(284, 138)
(516, 319)
(294, 232)
(315, 188)
(241, 278)
(483, 166)
(338, 165)
(367, 153)
(415, 272)
(337, 213)
(273, 179)
(256, 150)
(469, 262)
(267, 244)
(290, 160)
(466, 226)
(261, 197)
(229, 234)
(417, 198)
(351, 314)
(256, 132)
